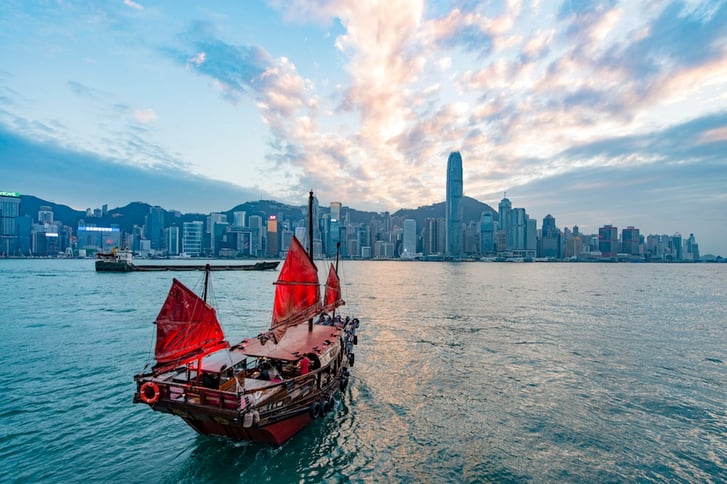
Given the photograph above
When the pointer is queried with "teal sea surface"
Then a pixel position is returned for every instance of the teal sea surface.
(464, 372)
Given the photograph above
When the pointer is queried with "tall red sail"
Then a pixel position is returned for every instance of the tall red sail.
(332, 298)
(187, 327)
(297, 295)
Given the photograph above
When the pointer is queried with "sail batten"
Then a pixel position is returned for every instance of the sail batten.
(297, 291)
(187, 327)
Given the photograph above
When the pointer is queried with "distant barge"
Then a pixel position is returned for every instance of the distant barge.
(120, 261)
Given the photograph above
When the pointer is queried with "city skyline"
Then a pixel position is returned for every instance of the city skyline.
(598, 113)
(521, 239)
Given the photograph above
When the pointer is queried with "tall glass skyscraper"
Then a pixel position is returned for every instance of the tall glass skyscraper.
(454, 213)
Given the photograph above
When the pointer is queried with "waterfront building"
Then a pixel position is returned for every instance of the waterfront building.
(92, 238)
(487, 233)
(155, 227)
(273, 246)
(256, 241)
(691, 248)
(631, 241)
(676, 247)
(409, 246)
(550, 239)
(172, 242)
(192, 238)
(504, 223)
(434, 236)
(9, 213)
(334, 236)
(608, 240)
(454, 208)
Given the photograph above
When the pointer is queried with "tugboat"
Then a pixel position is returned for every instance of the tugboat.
(265, 388)
(114, 261)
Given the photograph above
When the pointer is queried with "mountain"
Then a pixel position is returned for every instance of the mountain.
(472, 210)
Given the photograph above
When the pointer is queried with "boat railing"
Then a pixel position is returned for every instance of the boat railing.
(228, 399)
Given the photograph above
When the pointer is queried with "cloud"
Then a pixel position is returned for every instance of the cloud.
(37, 168)
(144, 116)
(132, 4)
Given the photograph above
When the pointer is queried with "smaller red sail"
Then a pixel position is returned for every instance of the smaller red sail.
(187, 327)
(332, 299)
(297, 291)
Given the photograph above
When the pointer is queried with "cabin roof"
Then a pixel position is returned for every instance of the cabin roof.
(220, 360)
(296, 342)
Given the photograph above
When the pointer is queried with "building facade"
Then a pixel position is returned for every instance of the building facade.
(454, 209)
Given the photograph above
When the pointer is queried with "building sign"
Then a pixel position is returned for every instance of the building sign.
(10, 194)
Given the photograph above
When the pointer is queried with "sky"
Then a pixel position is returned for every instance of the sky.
(596, 112)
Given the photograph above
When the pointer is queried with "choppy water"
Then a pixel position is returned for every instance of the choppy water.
(467, 372)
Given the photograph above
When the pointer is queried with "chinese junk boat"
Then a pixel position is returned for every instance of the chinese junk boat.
(265, 388)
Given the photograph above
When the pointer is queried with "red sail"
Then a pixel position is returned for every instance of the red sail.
(332, 298)
(297, 295)
(187, 327)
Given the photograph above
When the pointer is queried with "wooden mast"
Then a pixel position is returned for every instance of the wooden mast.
(310, 242)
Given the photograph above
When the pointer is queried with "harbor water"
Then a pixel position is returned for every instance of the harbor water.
(464, 372)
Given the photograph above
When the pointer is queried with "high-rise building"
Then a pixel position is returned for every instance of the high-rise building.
(409, 248)
(239, 219)
(608, 240)
(487, 234)
(45, 215)
(171, 235)
(9, 212)
(691, 248)
(336, 210)
(550, 240)
(454, 212)
(434, 236)
(504, 222)
(256, 241)
(631, 241)
(192, 238)
(155, 227)
(273, 246)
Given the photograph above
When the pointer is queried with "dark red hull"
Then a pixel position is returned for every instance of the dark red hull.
(276, 433)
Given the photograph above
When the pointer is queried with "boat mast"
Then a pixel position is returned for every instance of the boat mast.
(338, 250)
(207, 269)
(310, 242)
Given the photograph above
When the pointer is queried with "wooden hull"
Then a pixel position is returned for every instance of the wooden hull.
(274, 434)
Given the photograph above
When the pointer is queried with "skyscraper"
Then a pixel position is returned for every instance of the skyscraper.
(410, 239)
(454, 212)
(9, 212)
(504, 218)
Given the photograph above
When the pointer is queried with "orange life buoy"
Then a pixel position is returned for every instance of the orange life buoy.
(149, 393)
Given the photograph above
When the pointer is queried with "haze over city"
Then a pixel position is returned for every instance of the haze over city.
(594, 112)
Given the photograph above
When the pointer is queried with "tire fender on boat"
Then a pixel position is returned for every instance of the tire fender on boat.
(351, 359)
(315, 409)
(330, 403)
(149, 393)
(344, 383)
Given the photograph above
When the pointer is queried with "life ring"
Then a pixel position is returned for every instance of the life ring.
(149, 393)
